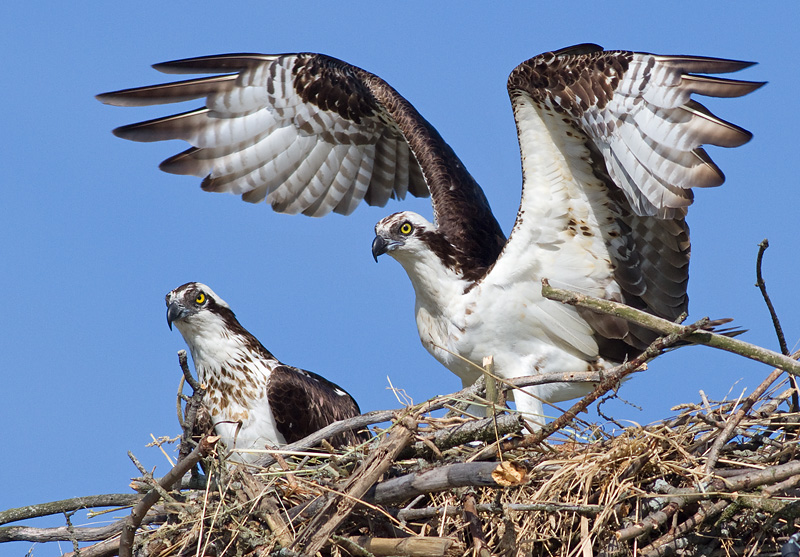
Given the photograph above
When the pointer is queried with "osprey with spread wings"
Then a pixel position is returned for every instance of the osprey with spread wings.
(611, 146)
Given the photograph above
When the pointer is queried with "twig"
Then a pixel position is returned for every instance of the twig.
(762, 247)
(137, 514)
(663, 326)
(192, 407)
(429, 512)
(148, 478)
(732, 423)
(317, 532)
(776, 323)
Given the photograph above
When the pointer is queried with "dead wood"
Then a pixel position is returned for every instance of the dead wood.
(140, 510)
(663, 326)
(68, 505)
(445, 478)
(317, 532)
(419, 546)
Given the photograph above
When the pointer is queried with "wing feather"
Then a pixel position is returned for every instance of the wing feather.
(303, 402)
(314, 173)
(611, 146)
(252, 135)
(260, 102)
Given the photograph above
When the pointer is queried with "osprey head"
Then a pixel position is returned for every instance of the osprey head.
(401, 232)
(191, 302)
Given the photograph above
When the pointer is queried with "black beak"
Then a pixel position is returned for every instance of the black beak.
(175, 311)
(379, 245)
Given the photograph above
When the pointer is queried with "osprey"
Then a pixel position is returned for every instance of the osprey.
(611, 146)
(251, 397)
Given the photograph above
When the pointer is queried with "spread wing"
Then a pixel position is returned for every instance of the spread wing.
(611, 147)
(311, 134)
(303, 402)
(300, 131)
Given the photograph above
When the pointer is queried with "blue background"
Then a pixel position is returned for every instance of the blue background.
(93, 235)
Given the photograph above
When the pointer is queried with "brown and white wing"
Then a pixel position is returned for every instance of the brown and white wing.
(311, 134)
(611, 147)
(299, 130)
(303, 402)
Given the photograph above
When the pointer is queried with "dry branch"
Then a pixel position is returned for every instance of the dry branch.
(410, 547)
(338, 507)
(445, 478)
(429, 512)
(193, 408)
(69, 505)
(665, 327)
(65, 533)
(487, 429)
(175, 474)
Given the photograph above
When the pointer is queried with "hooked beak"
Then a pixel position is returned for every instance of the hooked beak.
(175, 310)
(379, 247)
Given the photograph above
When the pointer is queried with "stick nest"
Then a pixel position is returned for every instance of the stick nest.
(647, 490)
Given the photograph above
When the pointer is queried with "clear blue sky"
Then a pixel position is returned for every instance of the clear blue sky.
(94, 235)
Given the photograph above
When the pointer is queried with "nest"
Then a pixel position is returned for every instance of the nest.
(669, 488)
(718, 478)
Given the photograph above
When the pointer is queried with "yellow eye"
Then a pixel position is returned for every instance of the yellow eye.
(406, 228)
(200, 298)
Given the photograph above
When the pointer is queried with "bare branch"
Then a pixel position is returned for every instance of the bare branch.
(733, 422)
(663, 326)
(488, 430)
(187, 374)
(175, 474)
(193, 408)
(318, 531)
(64, 533)
(68, 505)
(419, 545)
(776, 323)
(444, 478)
(428, 512)
(762, 247)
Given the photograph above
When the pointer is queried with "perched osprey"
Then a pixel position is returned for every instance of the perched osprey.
(252, 398)
(610, 144)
